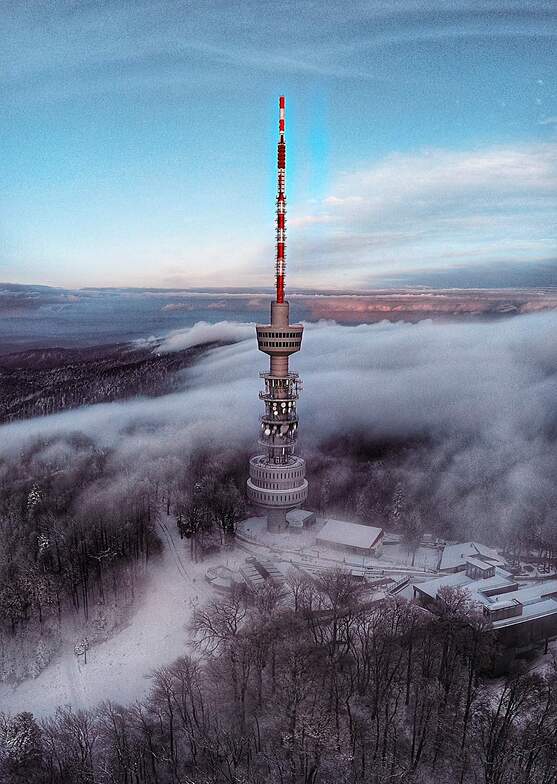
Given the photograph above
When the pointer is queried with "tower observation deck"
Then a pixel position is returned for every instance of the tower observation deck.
(277, 480)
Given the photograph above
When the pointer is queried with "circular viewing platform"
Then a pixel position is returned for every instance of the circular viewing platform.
(272, 339)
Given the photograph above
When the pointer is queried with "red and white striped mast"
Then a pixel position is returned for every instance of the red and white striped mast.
(281, 203)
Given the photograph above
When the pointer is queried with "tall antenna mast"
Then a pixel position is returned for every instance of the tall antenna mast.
(281, 204)
(277, 480)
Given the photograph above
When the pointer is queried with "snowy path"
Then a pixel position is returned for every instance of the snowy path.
(118, 668)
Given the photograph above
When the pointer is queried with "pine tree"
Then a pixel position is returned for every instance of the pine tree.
(33, 500)
(397, 504)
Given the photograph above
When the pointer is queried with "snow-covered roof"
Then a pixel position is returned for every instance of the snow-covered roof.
(483, 565)
(349, 534)
(530, 612)
(298, 516)
(501, 579)
(252, 575)
(527, 594)
(501, 604)
(537, 600)
(457, 554)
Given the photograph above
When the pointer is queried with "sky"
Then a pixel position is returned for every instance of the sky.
(138, 142)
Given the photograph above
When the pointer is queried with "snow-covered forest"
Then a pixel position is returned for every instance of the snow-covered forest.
(313, 682)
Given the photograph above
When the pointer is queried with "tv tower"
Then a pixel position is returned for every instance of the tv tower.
(277, 480)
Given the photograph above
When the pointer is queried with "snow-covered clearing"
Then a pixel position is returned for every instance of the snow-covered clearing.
(118, 669)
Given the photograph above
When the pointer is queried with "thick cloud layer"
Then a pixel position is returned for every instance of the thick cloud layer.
(476, 401)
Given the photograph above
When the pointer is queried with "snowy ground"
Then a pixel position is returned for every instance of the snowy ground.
(118, 669)
(296, 546)
(426, 558)
(543, 663)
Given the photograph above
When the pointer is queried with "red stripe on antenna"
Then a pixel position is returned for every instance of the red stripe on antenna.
(281, 203)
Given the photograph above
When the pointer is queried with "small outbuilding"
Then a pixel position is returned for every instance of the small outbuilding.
(298, 519)
(477, 569)
(353, 537)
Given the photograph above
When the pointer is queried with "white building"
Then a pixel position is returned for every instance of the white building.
(455, 556)
(298, 519)
(356, 538)
(521, 613)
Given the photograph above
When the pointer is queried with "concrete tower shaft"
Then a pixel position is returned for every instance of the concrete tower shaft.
(277, 480)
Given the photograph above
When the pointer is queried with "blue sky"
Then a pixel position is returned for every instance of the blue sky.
(137, 141)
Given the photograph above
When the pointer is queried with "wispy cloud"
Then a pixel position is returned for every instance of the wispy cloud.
(438, 207)
(125, 45)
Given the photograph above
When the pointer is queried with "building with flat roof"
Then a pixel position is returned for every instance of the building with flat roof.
(480, 589)
(520, 614)
(455, 556)
(298, 519)
(353, 537)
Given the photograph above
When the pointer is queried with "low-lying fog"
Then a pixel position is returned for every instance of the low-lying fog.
(477, 401)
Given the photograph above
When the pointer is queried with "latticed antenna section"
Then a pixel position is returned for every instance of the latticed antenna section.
(281, 239)
(281, 204)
